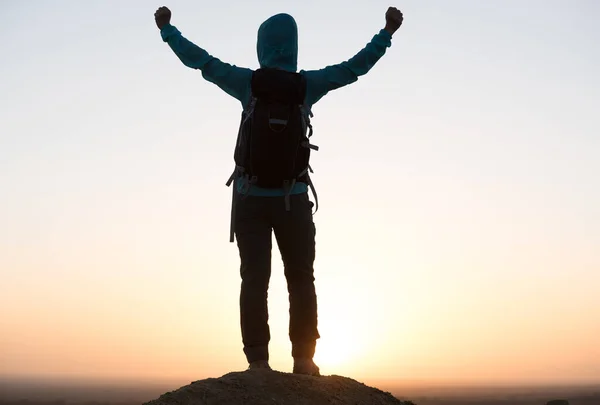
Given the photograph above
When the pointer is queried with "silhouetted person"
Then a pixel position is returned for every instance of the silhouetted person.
(271, 177)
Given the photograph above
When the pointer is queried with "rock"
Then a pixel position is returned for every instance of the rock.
(260, 387)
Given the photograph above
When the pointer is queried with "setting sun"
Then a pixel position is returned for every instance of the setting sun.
(340, 343)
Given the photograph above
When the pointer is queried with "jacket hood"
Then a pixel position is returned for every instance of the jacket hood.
(277, 43)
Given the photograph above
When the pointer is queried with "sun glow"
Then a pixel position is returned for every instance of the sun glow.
(341, 343)
(333, 353)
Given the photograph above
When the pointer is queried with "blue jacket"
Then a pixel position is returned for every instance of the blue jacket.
(277, 47)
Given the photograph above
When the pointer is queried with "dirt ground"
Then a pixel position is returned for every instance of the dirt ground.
(259, 387)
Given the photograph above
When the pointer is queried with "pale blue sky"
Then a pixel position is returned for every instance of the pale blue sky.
(458, 182)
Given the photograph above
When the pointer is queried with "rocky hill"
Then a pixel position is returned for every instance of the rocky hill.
(259, 387)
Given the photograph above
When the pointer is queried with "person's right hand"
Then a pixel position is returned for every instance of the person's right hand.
(393, 20)
(162, 17)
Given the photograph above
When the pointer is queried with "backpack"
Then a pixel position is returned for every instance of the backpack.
(273, 147)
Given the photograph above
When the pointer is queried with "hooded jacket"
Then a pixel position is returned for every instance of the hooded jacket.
(276, 47)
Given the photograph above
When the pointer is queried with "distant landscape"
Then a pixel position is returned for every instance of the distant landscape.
(24, 392)
(506, 395)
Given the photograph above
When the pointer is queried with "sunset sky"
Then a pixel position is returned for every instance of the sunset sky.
(458, 234)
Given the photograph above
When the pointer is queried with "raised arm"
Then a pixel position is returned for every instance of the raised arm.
(322, 81)
(234, 80)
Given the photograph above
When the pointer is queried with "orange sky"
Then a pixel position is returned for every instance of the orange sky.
(466, 248)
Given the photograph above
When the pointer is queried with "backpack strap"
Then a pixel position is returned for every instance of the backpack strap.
(307, 144)
(312, 188)
(232, 218)
(306, 116)
(248, 111)
(287, 187)
(311, 185)
(233, 179)
(238, 173)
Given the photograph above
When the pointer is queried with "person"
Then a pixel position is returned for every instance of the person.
(260, 211)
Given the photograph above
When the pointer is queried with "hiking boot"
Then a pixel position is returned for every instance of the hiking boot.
(306, 367)
(259, 365)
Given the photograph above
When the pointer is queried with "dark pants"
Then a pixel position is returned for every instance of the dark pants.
(255, 219)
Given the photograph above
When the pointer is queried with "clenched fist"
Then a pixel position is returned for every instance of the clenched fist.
(162, 17)
(393, 20)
